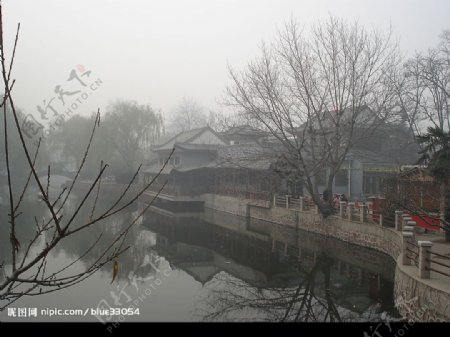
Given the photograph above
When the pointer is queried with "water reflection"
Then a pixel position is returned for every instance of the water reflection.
(222, 268)
(271, 273)
(134, 261)
(315, 299)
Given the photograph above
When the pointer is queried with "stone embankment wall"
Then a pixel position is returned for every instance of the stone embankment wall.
(418, 299)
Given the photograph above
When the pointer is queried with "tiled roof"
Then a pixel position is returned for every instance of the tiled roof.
(251, 156)
(200, 147)
(181, 138)
(370, 157)
(184, 138)
(244, 129)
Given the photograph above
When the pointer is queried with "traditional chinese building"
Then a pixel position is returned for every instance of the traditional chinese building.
(363, 173)
(244, 134)
(181, 162)
(200, 161)
(372, 160)
(246, 170)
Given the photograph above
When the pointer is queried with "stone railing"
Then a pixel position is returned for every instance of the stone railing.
(409, 282)
(347, 210)
(414, 252)
(302, 203)
(417, 252)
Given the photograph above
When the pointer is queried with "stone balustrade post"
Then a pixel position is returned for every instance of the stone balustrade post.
(342, 209)
(411, 224)
(405, 219)
(274, 200)
(398, 220)
(424, 258)
(350, 207)
(380, 220)
(406, 239)
(287, 201)
(316, 209)
(363, 213)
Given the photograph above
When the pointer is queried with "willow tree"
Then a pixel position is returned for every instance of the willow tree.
(319, 93)
(129, 130)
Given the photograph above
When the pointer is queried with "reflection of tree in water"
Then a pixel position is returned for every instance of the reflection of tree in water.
(139, 261)
(231, 299)
(252, 277)
(305, 305)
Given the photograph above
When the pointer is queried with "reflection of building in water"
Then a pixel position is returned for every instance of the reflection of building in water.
(203, 250)
(203, 264)
(276, 257)
(144, 258)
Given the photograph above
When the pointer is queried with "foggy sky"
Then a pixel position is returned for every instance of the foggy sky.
(156, 52)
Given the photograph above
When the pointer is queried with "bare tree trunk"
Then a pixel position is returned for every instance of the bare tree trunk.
(329, 190)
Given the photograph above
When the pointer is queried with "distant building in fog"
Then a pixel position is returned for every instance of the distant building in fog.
(372, 160)
(193, 151)
(245, 161)
(244, 134)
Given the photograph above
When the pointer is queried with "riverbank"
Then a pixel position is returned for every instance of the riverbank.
(418, 299)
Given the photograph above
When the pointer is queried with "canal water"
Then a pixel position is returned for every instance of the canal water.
(210, 266)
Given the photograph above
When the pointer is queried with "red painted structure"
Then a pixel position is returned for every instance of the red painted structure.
(426, 221)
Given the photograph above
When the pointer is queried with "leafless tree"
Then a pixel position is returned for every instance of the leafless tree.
(24, 273)
(424, 92)
(319, 93)
(222, 121)
(424, 88)
(189, 115)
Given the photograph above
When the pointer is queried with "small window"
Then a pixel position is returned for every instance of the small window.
(177, 160)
